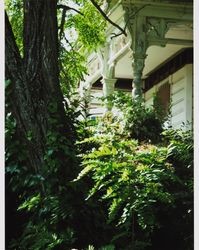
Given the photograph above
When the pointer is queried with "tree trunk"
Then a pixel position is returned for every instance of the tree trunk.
(36, 99)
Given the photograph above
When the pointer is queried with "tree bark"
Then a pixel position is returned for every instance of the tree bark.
(35, 95)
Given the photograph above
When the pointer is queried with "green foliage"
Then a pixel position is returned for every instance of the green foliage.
(31, 203)
(181, 156)
(130, 176)
(108, 247)
(139, 181)
(14, 9)
(72, 69)
(181, 145)
(139, 121)
(90, 26)
(49, 202)
(40, 196)
(46, 239)
(131, 181)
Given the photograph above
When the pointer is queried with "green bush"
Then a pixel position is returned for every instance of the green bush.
(139, 122)
(129, 176)
(139, 182)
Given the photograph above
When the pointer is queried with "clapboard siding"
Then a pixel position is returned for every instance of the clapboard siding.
(178, 98)
(181, 96)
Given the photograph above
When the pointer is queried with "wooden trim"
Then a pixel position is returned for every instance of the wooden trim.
(157, 75)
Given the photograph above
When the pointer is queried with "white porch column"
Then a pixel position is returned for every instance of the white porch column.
(108, 72)
(108, 86)
(108, 89)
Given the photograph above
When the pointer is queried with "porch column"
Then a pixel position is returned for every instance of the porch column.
(138, 66)
(139, 46)
(108, 72)
(137, 28)
(108, 89)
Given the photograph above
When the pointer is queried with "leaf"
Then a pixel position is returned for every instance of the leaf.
(84, 172)
(30, 203)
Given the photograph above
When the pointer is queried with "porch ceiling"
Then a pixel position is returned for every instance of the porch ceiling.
(156, 55)
(158, 30)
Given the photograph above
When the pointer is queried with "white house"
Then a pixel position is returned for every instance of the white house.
(156, 56)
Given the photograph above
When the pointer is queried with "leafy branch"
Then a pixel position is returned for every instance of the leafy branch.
(107, 18)
(65, 8)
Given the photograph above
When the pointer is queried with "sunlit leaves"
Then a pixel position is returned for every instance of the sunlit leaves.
(138, 121)
(31, 203)
(14, 8)
(72, 70)
(130, 176)
(90, 27)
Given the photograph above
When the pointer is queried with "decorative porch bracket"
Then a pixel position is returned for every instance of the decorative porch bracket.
(148, 23)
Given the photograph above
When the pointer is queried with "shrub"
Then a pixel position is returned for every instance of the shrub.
(130, 177)
(141, 184)
(140, 122)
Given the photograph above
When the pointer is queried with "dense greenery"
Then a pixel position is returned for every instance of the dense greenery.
(116, 183)
(43, 199)
(138, 121)
(141, 183)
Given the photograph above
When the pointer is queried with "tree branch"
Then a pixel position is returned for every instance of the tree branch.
(107, 18)
(64, 7)
(116, 35)
(61, 27)
(132, 16)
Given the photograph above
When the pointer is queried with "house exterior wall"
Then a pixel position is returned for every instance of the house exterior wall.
(181, 96)
(168, 59)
